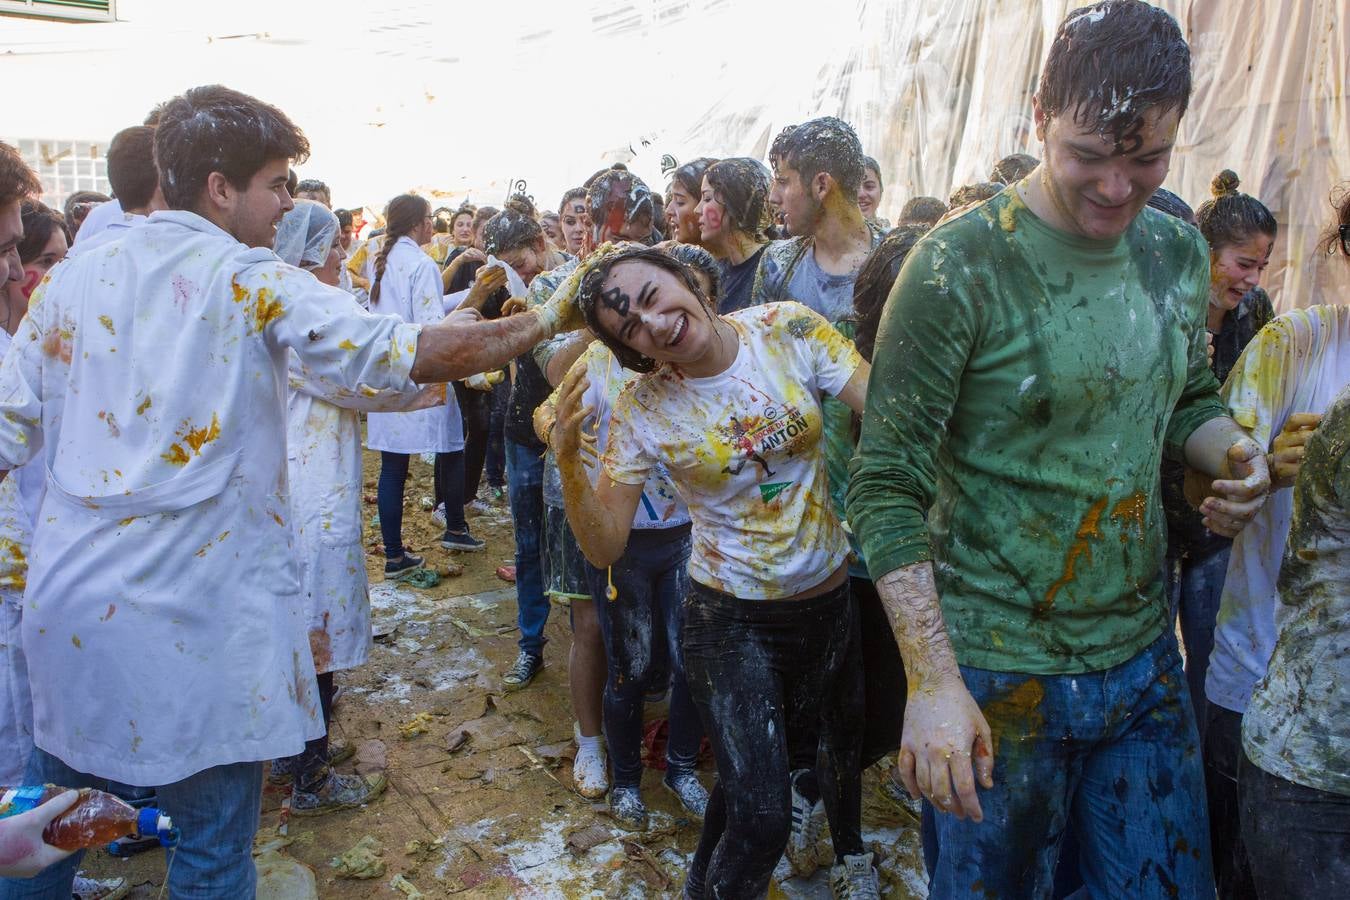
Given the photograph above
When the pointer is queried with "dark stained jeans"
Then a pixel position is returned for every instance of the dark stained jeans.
(1297, 837)
(1117, 753)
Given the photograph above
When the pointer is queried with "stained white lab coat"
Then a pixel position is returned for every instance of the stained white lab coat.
(411, 290)
(162, 620)
(323, 449)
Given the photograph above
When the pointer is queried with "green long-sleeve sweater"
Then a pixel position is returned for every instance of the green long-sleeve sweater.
(1024, 386)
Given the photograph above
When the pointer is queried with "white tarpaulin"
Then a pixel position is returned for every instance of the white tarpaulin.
(467, 97)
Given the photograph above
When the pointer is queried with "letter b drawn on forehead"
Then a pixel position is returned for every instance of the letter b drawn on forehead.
(616, 299)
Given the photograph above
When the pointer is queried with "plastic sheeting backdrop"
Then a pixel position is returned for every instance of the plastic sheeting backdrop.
(938, 90)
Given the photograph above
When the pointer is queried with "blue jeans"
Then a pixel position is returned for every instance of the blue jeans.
(1116, 753)
(642, 627)
(216, 810)
(1195, 594)
(525, 476)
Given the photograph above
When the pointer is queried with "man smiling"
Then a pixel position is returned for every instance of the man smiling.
(1037, 357)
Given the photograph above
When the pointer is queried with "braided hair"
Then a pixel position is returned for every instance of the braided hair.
(401, 217)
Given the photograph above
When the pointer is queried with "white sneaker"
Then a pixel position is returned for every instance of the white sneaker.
(438, 515)
(85, 888)
(855, 879)
(808, 821)
(590, 770)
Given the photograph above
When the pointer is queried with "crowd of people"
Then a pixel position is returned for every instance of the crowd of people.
(936, 497)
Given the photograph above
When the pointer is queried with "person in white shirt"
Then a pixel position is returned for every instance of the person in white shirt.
(730, 406)
(163, 626)
(135, 183)
(407, 284)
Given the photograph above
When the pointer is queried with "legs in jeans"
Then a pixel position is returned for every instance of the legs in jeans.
(1222, 744)
(389, 501)
(1116, 752)
(1198, 609)
(473, 408)
(1297, 837)
(641, 629)
(496, 443)
(311, 767)
(525, 473)
(449, 476)
(759, 673)
(217, 811)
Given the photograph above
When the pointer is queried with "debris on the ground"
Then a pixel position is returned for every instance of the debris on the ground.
(649, 867)
(507, 574)
(420, 848)
(282, 877)
(457, 741)
(418, 724)
(583, 839)
(372, 756)
(399, 883)
(469, 630)
(362, 861)
(450, 570)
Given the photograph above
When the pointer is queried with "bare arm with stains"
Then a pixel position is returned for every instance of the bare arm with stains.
(601, 517)
(566, 354)
(1221, 449)
(946, 743)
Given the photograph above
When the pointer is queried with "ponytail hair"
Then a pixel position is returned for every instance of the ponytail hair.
(1232, 216)
(401, 217)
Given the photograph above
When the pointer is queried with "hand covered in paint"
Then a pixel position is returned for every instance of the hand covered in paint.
(486, 283)
(23, 853)
(1209, 346)
(1291, 443)
(1236, 498)
(946, 746)
(484, 381)
(568, 435)
(513, 306)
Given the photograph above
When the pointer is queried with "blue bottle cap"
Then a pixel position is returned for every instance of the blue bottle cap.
(150, 823)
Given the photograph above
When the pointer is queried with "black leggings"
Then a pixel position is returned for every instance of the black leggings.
(762, 674)
(474, 409)
(311, 766)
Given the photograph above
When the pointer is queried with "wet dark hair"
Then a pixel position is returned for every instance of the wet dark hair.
(1112, 61)
(344, 217)
(510, 229)
(1337, 237)
(659, 223)
(403, 214)
(1013, 168)
(690, 175)
(826, 145)
(617, 189)
(131, 166)
(590, 292)
(1232, 217)
(922, 211)
(875, 280)
(17, 180)
(616, 167)
(40, 222)
(974, 193)
(702, 262)
(1164, 201)
(576, 193)
(214, 129)
(870, 165)
(522, 204)
(741, 184)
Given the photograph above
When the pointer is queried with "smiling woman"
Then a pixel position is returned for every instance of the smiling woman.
(731, 406)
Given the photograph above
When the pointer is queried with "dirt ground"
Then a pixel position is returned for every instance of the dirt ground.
(479, 801)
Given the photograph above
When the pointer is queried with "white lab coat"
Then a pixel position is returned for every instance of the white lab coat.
(323, 449)
(20, 495)
(162, 621)
(411, 290)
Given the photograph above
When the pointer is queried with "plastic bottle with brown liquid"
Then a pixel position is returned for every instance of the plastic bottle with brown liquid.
(95, 819)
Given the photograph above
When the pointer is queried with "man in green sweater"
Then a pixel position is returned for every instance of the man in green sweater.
(1037, 356)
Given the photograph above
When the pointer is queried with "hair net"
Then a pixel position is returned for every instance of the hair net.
(306, 234)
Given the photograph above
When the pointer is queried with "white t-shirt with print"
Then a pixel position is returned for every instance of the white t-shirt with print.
(744, 449)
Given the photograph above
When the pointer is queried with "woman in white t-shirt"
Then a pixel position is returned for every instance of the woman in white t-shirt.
(730, 406)
(406, 283)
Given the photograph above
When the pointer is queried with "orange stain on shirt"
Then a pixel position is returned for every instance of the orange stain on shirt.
(1130, 514)
(194, 438)
(1089, 528)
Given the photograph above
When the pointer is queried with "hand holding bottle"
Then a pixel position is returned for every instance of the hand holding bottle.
(23, 852)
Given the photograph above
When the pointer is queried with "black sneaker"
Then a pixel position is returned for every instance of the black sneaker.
(522, 673)
(402, 568)
(461, 541)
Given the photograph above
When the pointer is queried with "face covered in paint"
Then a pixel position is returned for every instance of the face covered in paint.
(11, 232)
(251, 215)
(573, 222)
(461, 229)
(653, 311)
(798, 202)
(712, 215)
(1236, 269)
(1096, 184)
(682, 214)
(869, 194)
(18, 292)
